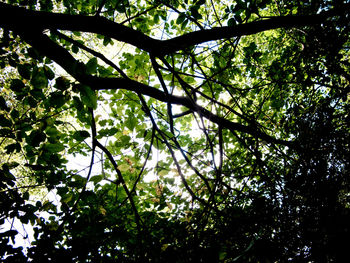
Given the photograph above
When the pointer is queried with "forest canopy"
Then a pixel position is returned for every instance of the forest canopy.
(174, 131)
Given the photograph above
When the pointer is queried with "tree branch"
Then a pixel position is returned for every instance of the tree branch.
(15, 18)
(123, 183)
(77, 70)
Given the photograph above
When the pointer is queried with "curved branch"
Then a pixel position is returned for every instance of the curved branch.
(15, 18)
(123, 183)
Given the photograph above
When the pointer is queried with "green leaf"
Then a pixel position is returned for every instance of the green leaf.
(4, 121)
(238, 18)
(231, 22)
(35, 138)
(14, 114)
(3, 104)
(79, 180)
(81, 135)
(78, 104)
(57, 100)
(17, 85)
(96, 179)
(131, 122)
(123, 167)
(62, 83)
(107, 132)
(24, 70)
(47, 205)
(75, 49)
(88, 96)
(163, 173)
(107, 41)
(181, 18)
(14, 147)
(102, 123)
(91, 66)
(49, 73)
(54, 147)
(250, 49)
(195, 13)
(67, 197)
(39, 79)
(277, 104)
(156, 19)
(52, 131)
(184, 24)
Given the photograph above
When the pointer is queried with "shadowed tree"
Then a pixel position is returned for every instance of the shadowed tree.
(238, 111)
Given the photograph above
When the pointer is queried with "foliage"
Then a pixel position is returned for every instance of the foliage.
(238, 111)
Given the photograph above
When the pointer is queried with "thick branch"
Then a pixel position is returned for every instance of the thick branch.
(15, 18)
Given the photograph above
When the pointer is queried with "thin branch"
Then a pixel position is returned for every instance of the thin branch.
(93, 138)
(123, 183)
(92, 52)
(162, 82)
(178, 167)
(187, 16)
(139, 14)
(145, 162)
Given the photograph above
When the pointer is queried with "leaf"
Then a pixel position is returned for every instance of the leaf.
(222, 255)
(88, 96)
(49, 73)
(14, 147)
(4, 121)
(78, 104)
(14, 114)
(81, 135)
(39, 79)
(163, 173)
(57, 100)
(24, 70)
(96, 179)
(35, 138)
(107, 41)
(79, 180)
(91, 66)
(184, 24)
(231, 22)
(54, 147)
(9, 233)
(17, 85)
(103, 211)
(102, 123)
(238, 18)
(245, 251)
(195, 13)
(107, 132)
(156, 19)
(52, 131)
(123, 167)
(181, 18)
(75, 49)
(3, 104)
(62, 83)
(250, 49)
(47, 205)
(66, 198)
(131, 122)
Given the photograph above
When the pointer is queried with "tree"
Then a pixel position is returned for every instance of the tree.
(240, 111)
